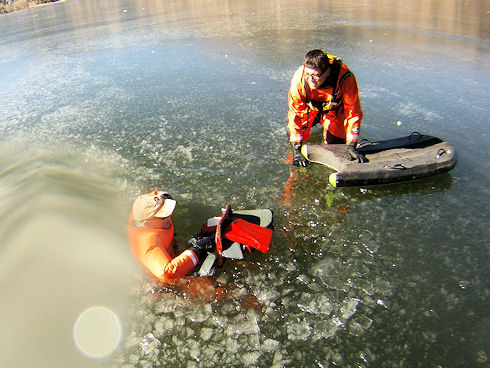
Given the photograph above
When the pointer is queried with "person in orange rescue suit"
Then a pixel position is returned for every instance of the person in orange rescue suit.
(324, 91)
(151, 232)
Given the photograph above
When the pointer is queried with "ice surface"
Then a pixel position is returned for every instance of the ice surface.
(349, 308)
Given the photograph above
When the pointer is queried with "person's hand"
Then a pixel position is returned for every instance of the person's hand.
(353, 154)
(203, 246)
(207, 244)
(298, 158)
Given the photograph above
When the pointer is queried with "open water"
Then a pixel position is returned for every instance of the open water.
(103, 100)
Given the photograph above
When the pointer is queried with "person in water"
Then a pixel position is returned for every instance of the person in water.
(324, 91)
(151, 236)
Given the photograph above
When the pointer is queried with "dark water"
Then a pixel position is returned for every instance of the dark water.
(101, 101)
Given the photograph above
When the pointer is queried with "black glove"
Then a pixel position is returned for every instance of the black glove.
(203, 246)
(298, 158)
(353, 154)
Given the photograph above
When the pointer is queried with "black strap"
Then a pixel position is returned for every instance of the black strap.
(339, 85)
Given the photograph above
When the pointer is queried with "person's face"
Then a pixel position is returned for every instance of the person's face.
(156, 223)
(315, 78)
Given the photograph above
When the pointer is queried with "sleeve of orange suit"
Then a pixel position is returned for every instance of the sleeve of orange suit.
(352, 106)
(161, 264)
(297, 113)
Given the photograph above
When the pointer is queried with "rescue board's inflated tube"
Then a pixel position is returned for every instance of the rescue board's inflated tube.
(393, 160)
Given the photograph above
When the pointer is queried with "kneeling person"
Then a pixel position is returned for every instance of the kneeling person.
(323, 91)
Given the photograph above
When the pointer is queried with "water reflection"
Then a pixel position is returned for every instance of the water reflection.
(62, 251)
(220, 18)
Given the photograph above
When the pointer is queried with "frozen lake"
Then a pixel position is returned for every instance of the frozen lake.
(102, 101)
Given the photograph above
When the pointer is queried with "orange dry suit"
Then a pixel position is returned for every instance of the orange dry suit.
(152, 245)
(335, 104)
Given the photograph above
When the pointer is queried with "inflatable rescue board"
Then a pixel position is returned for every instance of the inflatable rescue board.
(389, 161)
